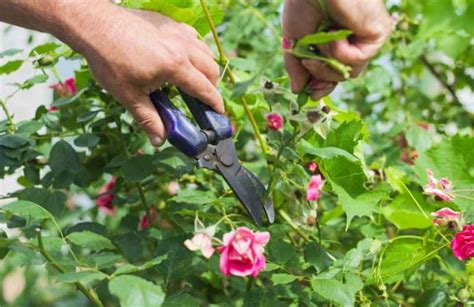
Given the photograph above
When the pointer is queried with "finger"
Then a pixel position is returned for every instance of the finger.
(357, 70)
(188, 30)
(196, 84)
(206, 65)
(318, 94)
(317, 84)
(346, 53)
(299, 75)
(204, 48)
(147, 117)
(322, 71)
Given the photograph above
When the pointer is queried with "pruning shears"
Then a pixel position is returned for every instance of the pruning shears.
(213, 148)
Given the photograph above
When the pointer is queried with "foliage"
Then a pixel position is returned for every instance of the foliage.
(369, 239)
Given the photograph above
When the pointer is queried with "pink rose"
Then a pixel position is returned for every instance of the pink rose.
(439, 188)
(274, 121)
(68, 88)
(201, 241)
(313, 190)
(446, 215)
(144, 220)
(104, 201)
(463, 243)
(242, 252)
(312, 166)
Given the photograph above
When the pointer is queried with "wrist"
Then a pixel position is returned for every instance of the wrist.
(78, 22)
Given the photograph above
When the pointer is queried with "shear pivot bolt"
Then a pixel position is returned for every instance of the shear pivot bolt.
(226, 160)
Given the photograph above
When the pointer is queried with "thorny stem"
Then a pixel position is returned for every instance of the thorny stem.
(423, 211)
(88, 292)
(11, 123)
(140, 189)
(144, 204)
(224, 61)
(287, 219)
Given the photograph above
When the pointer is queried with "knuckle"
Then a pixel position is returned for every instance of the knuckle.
(188, 29)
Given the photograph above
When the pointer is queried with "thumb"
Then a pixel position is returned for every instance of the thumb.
(147, 117)
(299, 75)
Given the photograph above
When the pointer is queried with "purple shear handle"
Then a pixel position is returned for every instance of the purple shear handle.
(207, 118)
(183, 134)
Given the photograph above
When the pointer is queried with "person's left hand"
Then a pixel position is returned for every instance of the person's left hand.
(369, 22)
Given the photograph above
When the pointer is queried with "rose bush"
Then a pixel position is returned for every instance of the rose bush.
(373, 187)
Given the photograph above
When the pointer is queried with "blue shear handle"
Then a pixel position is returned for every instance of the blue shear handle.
(183, 134)
(207, 118)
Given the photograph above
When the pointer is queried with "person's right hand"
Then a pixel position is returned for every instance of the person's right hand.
(131, 53)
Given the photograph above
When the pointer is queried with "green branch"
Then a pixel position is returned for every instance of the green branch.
(11, 124)
(88, 292)
(224, 61)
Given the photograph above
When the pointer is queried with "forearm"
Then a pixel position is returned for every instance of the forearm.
(68, 20)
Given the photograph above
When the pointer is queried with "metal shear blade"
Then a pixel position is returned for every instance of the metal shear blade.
(249, 190)
(213, 148)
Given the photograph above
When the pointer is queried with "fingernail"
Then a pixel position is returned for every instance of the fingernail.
(156, 140)
(317, 85)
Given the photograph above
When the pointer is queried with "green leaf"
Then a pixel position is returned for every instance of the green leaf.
(187, 11)
(90, 240)
(400, 256)
(317, 256)
(42, 78)
(346, 174)
(320, 38)
(4, 243)
(404, 213)
(195, 197)
(346, 136)
(44, 48)
(281, 251)
(130, 245)
(130, 268)
(87, 140)
(281, 278)
(64, 101)
(453, 159)
(10, 67)
(419, 138)
(180, 300)
(362, 205)
(10, 52)
(88, 226)
(134, 291)
(27, 210)
(336, 291)
(64, 162)
(29, 127)
(325, 153)
(138, 168)
(173, 161)
(12, 141)
(72, 277)
(457, 150)
(85, 117)
(53, 201)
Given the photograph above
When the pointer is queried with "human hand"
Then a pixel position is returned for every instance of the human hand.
(369, 22)
(131, 53)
